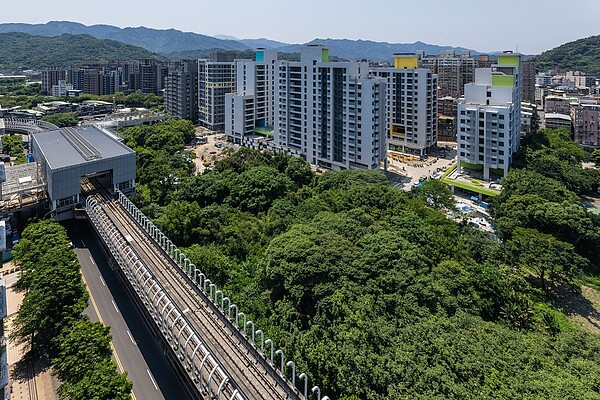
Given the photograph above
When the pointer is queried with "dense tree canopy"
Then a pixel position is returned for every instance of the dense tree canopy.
(51, 317)
(543, 193)
(13, 146)
(62, 119)
(378, 295)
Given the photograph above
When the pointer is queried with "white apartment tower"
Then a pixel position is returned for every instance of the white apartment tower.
(489, 117)
(251, 105)
(331, 113)
(411, 117)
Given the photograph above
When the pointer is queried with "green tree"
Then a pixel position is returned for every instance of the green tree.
(255, 189)
(102, 382)
(62, 119)
(544, 254)
(595, 157)
(13, 146)
(437, 194)
(82, 347)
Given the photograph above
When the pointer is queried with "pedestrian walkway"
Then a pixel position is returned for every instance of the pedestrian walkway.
(27, 380)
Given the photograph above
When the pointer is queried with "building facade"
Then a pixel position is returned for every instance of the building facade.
(181, 88)
(50, 77)
(332, 113)
(585, 119)
(489, 118)
(215, 80)
(411, 106)
(251, 106)
(61, 88)
(453, 70)
(528, 80)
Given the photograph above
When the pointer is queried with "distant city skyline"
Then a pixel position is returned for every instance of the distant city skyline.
(527, 25)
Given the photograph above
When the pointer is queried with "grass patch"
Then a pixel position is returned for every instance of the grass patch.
(471, 187)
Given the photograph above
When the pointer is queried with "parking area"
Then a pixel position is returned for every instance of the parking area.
(409, 172)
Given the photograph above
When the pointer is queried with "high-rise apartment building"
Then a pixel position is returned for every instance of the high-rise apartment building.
(252, 104)
(148, 71)
(489, 117)
(215, 80)
(528, 80)
(411, 109)
(331, 113)
(50, 77)
(181, 90)
(453, 71)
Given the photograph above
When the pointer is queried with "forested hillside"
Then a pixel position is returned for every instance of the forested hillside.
(580, 55)
(21, 49)
(372, 290)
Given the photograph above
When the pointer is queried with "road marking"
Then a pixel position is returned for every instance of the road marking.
(152, 379)
(102, 280)
(112, 347)
(92, 260)
(82, 243)
(114, 305)
(131, 337)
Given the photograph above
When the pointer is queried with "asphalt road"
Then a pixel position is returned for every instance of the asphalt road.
(134, 347)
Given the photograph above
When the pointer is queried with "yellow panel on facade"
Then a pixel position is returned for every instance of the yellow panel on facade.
(503, 80)
(410, 62)
(508, 60)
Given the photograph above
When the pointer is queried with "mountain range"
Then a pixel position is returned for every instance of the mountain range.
(19, 49)
(166, 41)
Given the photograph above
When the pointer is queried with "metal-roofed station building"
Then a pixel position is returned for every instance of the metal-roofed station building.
(68, 155)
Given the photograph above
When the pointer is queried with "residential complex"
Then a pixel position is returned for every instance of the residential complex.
(411, 112)
(332, 113)
(489, 117)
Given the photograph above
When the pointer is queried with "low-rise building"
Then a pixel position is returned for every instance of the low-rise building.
(585, 122)
(557, 121)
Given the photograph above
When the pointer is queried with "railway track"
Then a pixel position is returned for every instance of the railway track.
(196, 316)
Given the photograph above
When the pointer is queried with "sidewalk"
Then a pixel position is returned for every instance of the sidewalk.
(27, 381)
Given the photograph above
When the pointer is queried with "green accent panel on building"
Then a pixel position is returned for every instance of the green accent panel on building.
(449, 171)
(325, 55)
(472, 167)
(497, 171)
(260, 56)
(264, 132)
(508, 60)
(503, 80)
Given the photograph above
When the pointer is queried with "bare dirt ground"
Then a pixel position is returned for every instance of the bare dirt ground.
(209, 152)
(583, 309)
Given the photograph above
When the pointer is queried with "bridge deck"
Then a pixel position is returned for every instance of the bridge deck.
(248, 371)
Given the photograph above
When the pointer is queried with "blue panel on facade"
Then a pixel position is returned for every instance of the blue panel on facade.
(260, 56)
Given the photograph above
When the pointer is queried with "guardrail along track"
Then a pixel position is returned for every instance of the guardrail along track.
(219, 357)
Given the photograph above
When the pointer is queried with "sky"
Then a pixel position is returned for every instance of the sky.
(529, 26)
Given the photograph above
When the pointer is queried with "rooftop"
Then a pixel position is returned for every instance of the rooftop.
(74, 146)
